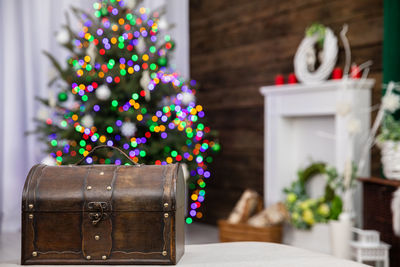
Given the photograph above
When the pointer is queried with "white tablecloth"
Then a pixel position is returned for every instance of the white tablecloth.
(219, 254)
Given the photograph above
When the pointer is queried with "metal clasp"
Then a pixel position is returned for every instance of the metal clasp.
(99, 207)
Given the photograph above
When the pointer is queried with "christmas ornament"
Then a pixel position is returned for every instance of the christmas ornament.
(87, 121)
(145, 79)
(337, 74)
(130, 4)
(163, 24)
(63, 37)
(52, 74)
(166, 101)
(144, 83)
(103, 92)
(162, 61)
(141, 45)
(279, 79)
(91, 52)
(62, 97)
(52, 99)
(187, 98)
(128, 129)
(170, 45)
(43, 114)
(49, 160)
(292, 78)
(72, 105)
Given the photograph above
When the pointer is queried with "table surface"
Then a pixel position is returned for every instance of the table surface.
(218, 254)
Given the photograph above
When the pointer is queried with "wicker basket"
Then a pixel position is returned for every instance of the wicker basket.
(244, 232)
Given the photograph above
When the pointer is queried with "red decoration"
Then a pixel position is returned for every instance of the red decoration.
(337, 74)
(355, 72)
(292, 78)
(279, 79)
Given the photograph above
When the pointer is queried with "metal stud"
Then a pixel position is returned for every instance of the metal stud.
(97, 237)
(30, 206)
(166, 215)
(164, 253)
(165, 205)
(101, 173)
(88, 187)
(34, 254)
(109, 188)
(88, 257)
(104, 257)
(30, 216)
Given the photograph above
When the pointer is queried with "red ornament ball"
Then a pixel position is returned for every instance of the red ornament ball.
(279, 79)
(292, 78)
(337, 74)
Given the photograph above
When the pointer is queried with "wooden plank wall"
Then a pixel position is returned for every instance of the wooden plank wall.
(236, 46)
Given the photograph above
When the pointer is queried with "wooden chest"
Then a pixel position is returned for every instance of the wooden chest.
(103, 214)
(377, 214)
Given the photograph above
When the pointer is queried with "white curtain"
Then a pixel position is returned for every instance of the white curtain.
(27, 27)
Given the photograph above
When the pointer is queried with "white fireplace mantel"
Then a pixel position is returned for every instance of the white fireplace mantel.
(303, 124)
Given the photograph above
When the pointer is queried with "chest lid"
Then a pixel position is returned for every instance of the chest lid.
(117, 188)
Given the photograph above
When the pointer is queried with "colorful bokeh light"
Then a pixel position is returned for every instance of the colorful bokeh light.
(115, 51)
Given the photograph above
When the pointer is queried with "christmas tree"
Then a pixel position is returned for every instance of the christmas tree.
(117, 89)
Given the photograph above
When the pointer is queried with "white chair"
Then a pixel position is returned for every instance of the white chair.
(368, 247)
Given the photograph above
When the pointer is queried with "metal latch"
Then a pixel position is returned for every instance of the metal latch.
(99, 208)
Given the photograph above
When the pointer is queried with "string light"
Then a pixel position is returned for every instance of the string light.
(115, 31)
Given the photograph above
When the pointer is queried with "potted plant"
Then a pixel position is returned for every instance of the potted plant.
(330, 212)
(389, 138)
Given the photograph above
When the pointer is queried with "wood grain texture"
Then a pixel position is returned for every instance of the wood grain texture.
(238, 46)
(244, 232)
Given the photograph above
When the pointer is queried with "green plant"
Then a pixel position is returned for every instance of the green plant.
(390, 129)
(317, 28)
(305, 211)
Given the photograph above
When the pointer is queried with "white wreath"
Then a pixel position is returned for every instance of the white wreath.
(328, 60)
